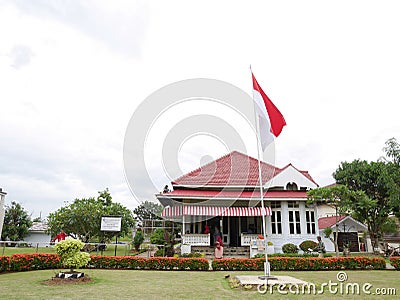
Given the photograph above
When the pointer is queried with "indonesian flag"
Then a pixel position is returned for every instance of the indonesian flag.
(269, 117)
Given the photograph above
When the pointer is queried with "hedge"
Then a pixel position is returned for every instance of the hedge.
(300, 264)
(153, 263)
(395, 262)
(41, 261)
(4, 263)
(36, 261)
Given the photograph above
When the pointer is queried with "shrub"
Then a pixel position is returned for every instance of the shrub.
(193, 254)
(290, 248)
(305, 245)
(158, 237)
(159, 252)
(262, 255)
(69, 252)
(138, 239)
(153, 263)
(395, 262)
(300, 264)
(36, 261)
(4, 263)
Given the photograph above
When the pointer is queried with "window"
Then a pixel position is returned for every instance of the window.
(310, 221)
(276, 218)
(291, 186)
(294, 217)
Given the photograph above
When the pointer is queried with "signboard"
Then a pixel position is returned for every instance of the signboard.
(110, 224)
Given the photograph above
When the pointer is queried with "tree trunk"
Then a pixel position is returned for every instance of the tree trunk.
(336, 233)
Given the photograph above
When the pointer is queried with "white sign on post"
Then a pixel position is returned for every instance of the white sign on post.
(111, 224)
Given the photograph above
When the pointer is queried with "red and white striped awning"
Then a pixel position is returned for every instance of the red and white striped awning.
(195, 210)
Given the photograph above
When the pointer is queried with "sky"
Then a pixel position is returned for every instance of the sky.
(72, 74)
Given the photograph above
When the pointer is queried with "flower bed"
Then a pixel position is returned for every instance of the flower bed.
(36, 261)
(4, 263)
(153, 263)
(27, 262)
(395, 262)
(300, 264)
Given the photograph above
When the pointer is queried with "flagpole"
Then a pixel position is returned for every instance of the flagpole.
(267, 269)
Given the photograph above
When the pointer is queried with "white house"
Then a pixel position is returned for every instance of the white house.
(2, 209)
(37, 235)
(225, 194)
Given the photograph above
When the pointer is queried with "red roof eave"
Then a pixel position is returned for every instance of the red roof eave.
(234, 194)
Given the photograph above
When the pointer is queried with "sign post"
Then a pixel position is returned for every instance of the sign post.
(111, 224)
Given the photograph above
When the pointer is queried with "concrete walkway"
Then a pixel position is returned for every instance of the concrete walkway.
(276, 280)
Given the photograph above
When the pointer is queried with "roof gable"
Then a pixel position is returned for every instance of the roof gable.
(347, 220)
(290, 174)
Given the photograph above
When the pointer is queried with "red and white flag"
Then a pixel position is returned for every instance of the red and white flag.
(270, 119)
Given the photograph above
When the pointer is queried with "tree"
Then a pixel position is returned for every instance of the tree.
(82, 218)
(374, 184)
(16, 223)
(332, 196)
(392, 159)
(148, 211)
(138, 239)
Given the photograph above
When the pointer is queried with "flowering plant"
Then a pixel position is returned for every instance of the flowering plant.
(69, 252)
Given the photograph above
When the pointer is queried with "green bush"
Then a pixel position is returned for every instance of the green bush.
(69, 252)
(194, 254)
(290, 248)
(261, 255)
(305, 245)
(157, 237)
(138, 239)
(159, 252)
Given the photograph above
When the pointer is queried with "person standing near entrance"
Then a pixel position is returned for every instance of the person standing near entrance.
(217, 236)
(219, 251)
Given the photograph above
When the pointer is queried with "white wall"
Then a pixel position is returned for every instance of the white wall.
(38, 237)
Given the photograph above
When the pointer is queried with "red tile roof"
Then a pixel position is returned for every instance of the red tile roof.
(328, 221)
(180, 193)
(233, 169)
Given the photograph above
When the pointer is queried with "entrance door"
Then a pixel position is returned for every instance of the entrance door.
(234, 235)
(348, 237)
(214, 223)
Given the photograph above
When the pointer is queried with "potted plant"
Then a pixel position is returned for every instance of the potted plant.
(346, 249)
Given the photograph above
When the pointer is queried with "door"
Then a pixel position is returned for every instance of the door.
(234, 235)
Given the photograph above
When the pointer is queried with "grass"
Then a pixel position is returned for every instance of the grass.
(129, 284)
(8, 251)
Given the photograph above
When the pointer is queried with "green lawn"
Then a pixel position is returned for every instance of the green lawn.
(121, 250)
(128, 284)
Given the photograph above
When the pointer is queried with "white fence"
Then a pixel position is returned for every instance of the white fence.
(196, 239)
